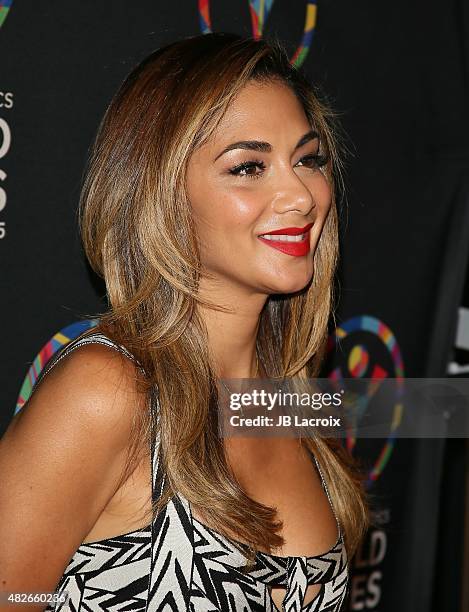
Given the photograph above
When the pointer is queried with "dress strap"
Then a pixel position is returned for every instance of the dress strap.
(172, 540)
(324, 485)
(89, 338)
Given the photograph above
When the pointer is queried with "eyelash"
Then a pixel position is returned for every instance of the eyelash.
(320, 160)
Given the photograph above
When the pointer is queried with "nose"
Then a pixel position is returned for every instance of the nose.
(291, 194)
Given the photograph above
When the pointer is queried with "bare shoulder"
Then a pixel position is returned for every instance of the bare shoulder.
(62, 459)
(95, 386)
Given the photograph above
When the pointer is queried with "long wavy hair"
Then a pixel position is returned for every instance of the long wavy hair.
(138, 234)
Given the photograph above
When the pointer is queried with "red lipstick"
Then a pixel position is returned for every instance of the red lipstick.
(295, 247)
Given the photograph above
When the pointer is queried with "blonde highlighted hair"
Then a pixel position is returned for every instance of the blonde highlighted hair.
(138, 234)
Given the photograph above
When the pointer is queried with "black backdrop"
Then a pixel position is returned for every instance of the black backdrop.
(398, 75)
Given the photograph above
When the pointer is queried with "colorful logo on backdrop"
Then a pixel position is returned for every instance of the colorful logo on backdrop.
(5, 6)
(259, 12)
(58, 341)
(365, 347)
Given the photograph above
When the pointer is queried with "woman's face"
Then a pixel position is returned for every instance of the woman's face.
(260, 172)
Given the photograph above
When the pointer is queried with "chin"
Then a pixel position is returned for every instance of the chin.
(289, 285)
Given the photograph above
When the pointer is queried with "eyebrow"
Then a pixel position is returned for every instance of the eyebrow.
(265, 147)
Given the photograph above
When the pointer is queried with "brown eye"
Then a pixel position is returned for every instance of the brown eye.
(247, 169)
(314, 161)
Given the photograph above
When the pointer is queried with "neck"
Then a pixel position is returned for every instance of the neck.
(232, 335)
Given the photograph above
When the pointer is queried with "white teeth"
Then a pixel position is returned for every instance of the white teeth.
(284, 237)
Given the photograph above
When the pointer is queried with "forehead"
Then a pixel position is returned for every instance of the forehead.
(262, 108)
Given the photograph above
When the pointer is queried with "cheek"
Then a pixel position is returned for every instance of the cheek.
(322, 194)
(225, 220)
(236, 209)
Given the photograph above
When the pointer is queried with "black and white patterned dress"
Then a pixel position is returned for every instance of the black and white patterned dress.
(179, 564)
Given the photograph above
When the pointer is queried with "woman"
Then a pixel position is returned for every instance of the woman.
(130, 498)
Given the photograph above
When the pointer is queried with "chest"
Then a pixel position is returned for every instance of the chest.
(281, 473)
(278, 473)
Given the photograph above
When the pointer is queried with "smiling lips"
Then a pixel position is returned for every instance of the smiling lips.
(290, 240)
